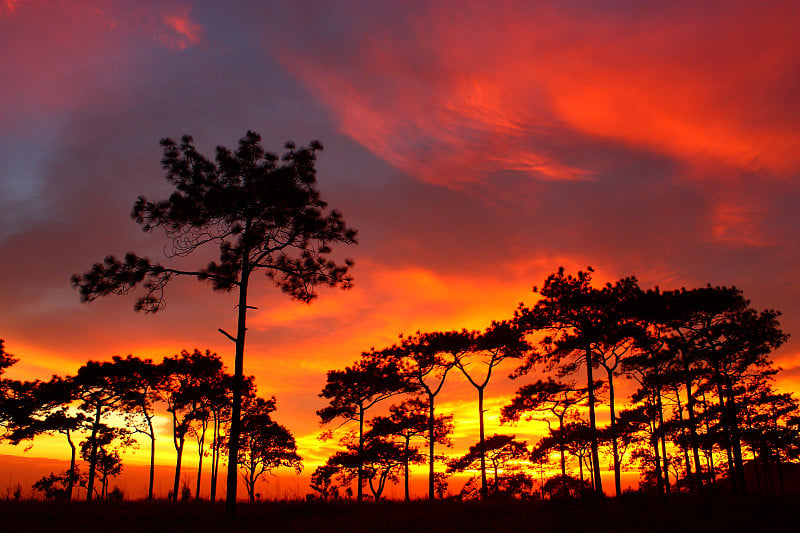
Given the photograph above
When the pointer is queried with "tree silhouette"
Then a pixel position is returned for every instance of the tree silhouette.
(572, 311)
(500, 450)
(322, 481)
(144, 381)
(183, 389)
(357, 388)
(265, 445)
(6, 360)
(426, 358)
(263, 212)
(549, 396)
(58, 486)
(219, 405)
(108, 462)
(42, 408)
(101, 389)
(409, 420)
(374, 458)
(500, 341)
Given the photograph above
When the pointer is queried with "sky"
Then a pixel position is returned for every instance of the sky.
(476, 147)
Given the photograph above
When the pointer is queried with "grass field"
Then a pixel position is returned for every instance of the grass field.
(677, 514)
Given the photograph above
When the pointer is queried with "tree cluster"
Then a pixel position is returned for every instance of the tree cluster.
(697, 359)
(192, 388)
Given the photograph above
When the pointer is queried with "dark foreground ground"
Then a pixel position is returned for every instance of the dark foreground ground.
(679, 514)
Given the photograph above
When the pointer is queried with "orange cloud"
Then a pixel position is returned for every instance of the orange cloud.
(450, 102)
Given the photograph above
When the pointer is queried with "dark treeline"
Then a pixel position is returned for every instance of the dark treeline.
(192, 388)
(704, 410)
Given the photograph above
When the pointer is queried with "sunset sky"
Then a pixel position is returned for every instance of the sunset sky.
(476, 147)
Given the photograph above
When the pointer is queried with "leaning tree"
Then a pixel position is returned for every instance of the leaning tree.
(263, 212)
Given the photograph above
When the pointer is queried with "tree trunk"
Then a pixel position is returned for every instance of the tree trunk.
(251, 485)
(200, 449)
(431, 430)
(656, 456)
(238, 377)
(692, 425)
(176, 484)
(562, 446)
(736, 443)
(758, 476)
(360, 492)
(484, 488)
(214, 459)
(726, 438)
(93, 456)
(152, 458)
(691, 479)
(597, 482)
(662, 434)
(71, 478)
(614, 447)
(405, 457)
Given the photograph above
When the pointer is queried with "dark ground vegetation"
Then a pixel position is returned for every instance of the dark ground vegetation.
(628, 513)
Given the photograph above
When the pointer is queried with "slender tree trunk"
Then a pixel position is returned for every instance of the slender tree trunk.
(711, 468)
(614, 447)
(736, 443)
(662, 434)
(693, 439)
(657, 459)
(176, 484)
(654, 443)
(580, 467)
(484, 488)
(360, 492)
(200, 449)
(562, 446)
(152, 458)
(93, 456)
(71, 476)
(214, 459)
(692, 480)
(431, 430)
(726, 437)
(597, 482)
(405, 457)
(238, 377)
(758, 476)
